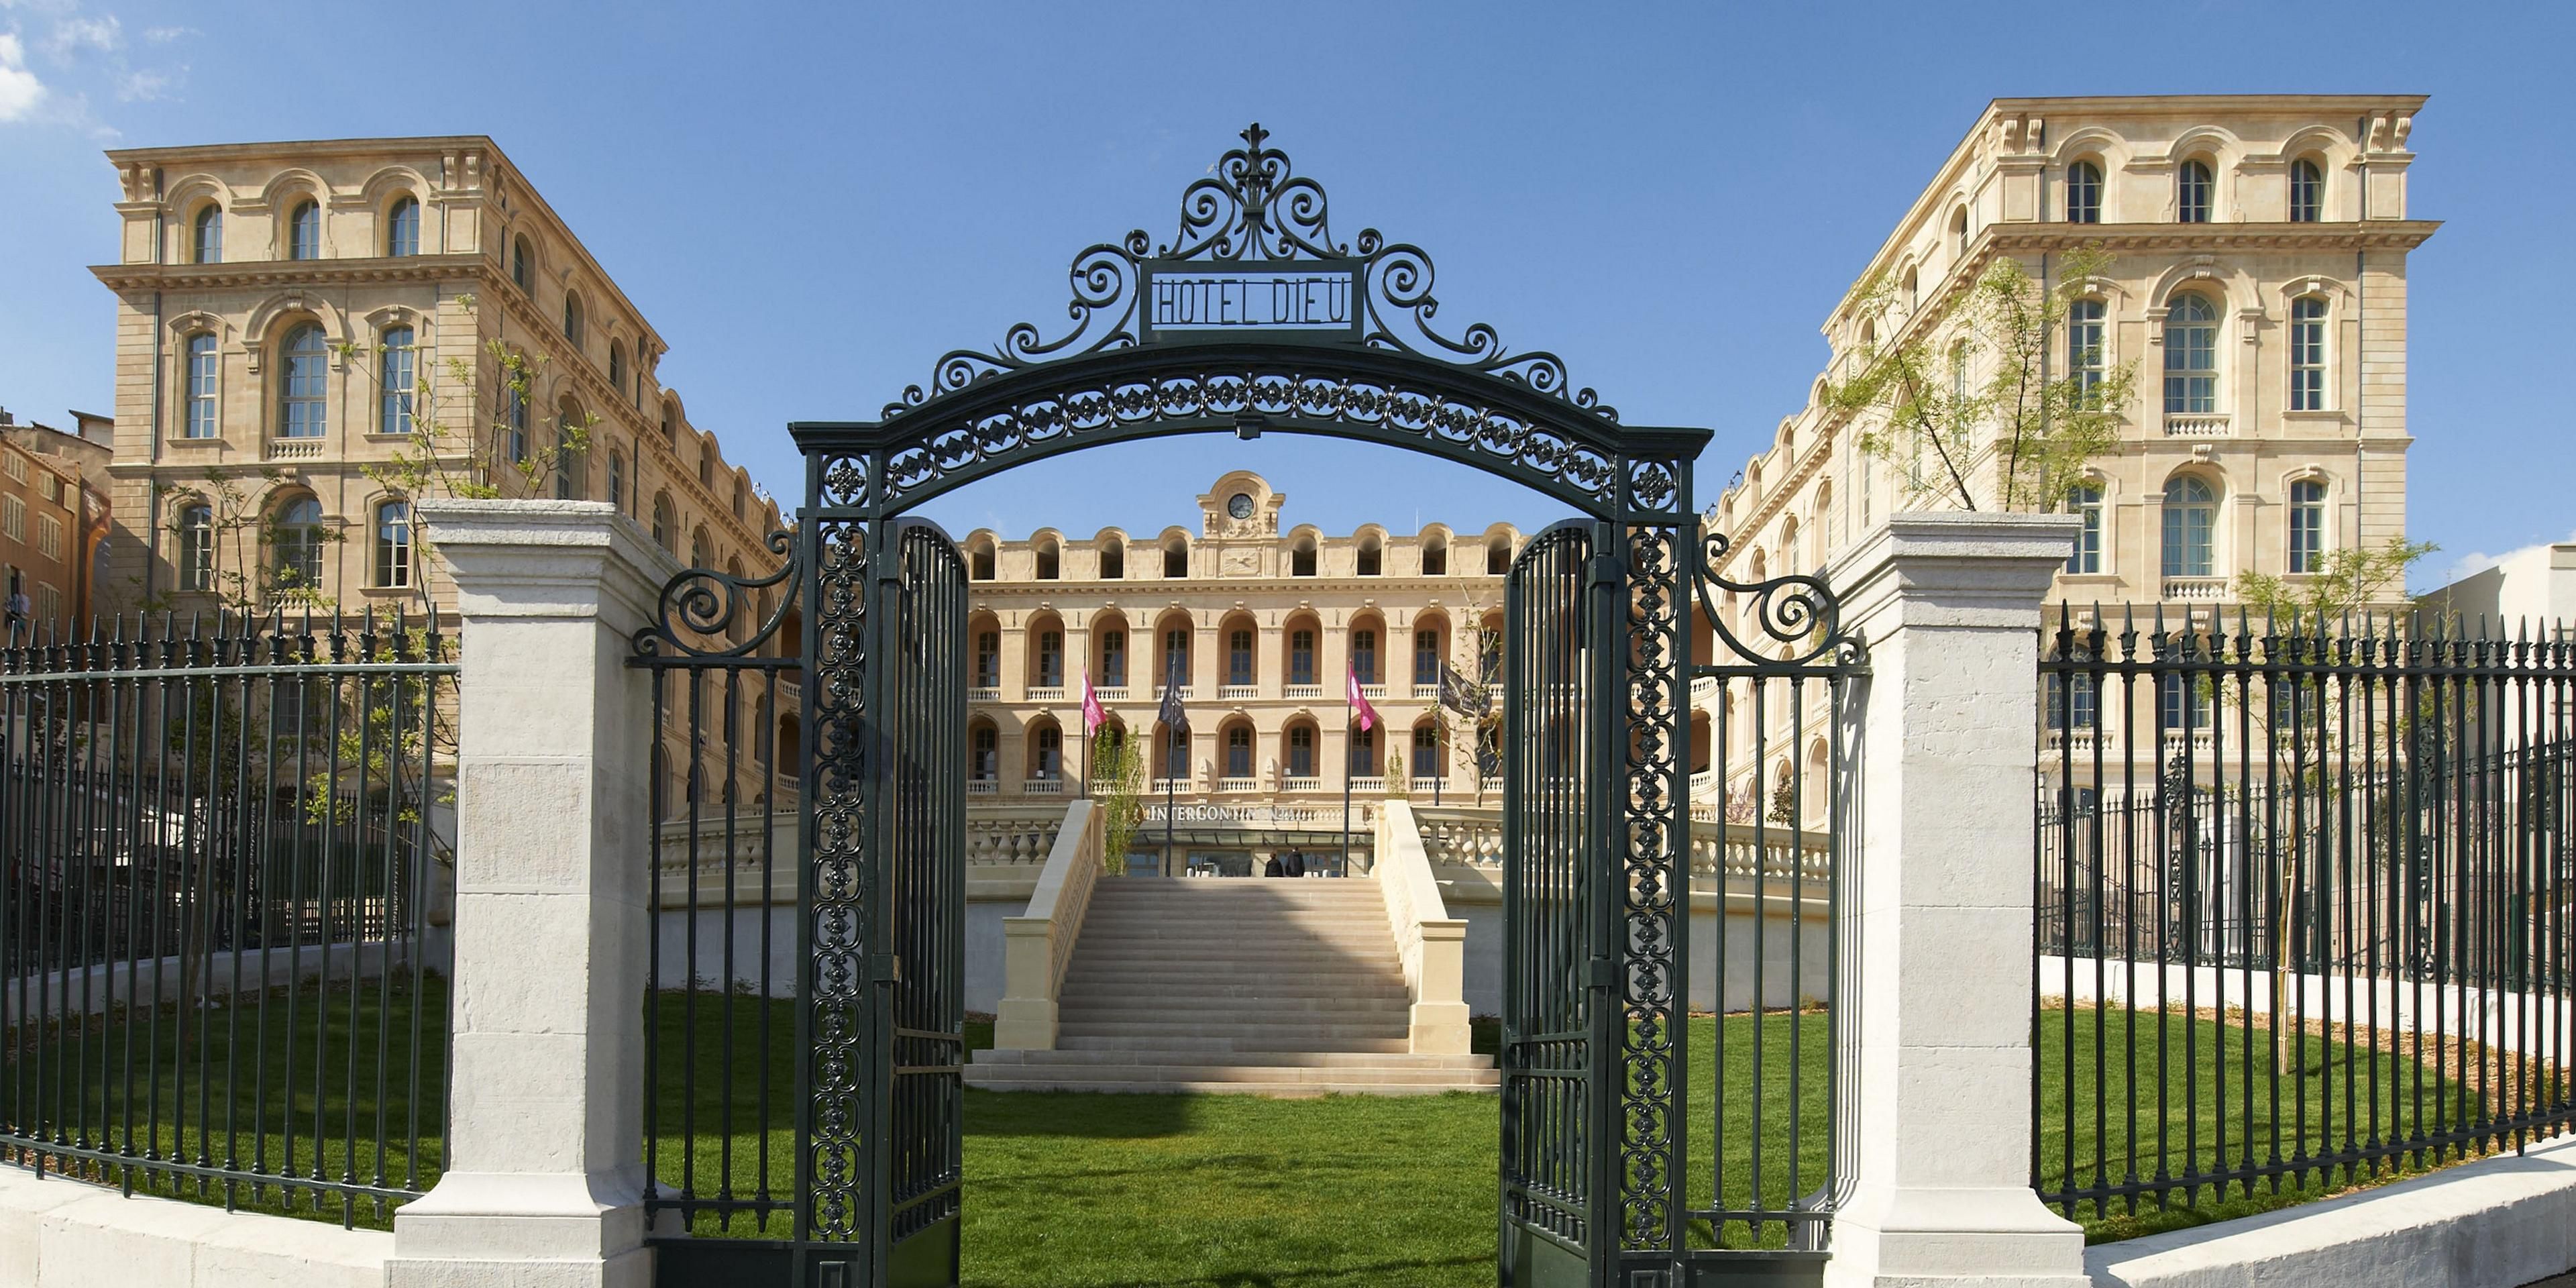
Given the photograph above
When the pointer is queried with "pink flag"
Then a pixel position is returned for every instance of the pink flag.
(1092, 716)
(1368, 714)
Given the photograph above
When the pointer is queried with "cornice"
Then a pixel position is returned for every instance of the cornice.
(282, 273)
(2374, 234)
(1361, 587)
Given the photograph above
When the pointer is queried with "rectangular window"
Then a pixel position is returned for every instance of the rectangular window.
(2081, 715)
(2084, 348)
(49, 536)
(2307, 355)
(1364, 656)
(49, 603)
(1364, 753)
(2307, 526)
(201, 387)
(1301, 752)
(1050, 659)
(2085, 502)
(13, 518)
(988, 660)
(2183, 703)
(1426, 752)
(16, 465)
(1301, 657)
(1426, 657)
(1176, 654)
(1238, 659)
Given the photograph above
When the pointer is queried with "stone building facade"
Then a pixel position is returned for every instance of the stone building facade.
(52, 522)
(2257, 280)
(1266, 624)
(280, 307)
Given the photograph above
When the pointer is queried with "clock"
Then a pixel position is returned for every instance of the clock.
(1241, 506)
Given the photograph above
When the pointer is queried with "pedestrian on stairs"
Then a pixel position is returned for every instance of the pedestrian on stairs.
(1296, 864)
(1274, 868)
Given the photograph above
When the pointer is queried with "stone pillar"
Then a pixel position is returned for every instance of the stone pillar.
(553, 730)
(1950, 605)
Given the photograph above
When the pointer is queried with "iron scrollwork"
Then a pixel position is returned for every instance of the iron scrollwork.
(705, 604)
(1253, 209)
(1797, 610)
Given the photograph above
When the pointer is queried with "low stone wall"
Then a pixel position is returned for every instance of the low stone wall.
(57, 1233)
(2497, 1223)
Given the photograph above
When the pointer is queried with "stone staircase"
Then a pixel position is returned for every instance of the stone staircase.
(1263, 986)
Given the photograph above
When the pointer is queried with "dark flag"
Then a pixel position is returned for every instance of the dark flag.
(1462, 697)
(1176, 721)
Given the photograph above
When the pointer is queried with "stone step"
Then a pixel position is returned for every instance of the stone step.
(1160, 1055)
(1220, 1008)
(1075, 1076)
(1177, 969)
(1319, 1034)
(1197, 1045)
(1274, 1090)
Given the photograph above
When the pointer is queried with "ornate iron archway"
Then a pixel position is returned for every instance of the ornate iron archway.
(1255, 317)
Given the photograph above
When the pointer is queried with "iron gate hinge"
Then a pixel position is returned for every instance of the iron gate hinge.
(1602, 570)
(885, 968)
(1605, 973)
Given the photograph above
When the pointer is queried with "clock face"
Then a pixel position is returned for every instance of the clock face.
(1241, 506)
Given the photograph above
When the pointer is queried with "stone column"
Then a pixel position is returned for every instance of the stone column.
(1950, 605)
(553, 731)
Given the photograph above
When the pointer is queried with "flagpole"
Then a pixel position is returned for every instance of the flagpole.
(1346, 790)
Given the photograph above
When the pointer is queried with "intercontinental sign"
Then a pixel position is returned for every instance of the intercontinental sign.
(1280, 299)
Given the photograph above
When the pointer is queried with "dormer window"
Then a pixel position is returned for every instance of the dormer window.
(1368, 557)
(2195, 191)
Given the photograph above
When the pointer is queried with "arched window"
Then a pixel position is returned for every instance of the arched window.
(301, 409)
(1238, 657)
(1363, 754)
(988, 659)
(2191, 527)
(1913, 289)
(617, 365)
(2191, 356)
(2084, 193)
(1369, 556)
(1498, 556)
(1050, 659)
(1176, 654)
(395, 371)
(1046, 754)
(2307, 526)
(297, 534)
(1049, 562)
(707, 465)
(2085, 356)
(1426, 656)
(1238, 751)
(1426, 750)
(402, 228)
(986, 762)
(572, 464)
(1364, 655)
(196, 547)
(206, 241)
(1113, 560)
(1301, 751)
(698, 549)
(2307, 354)
(1301, 558)
(1435, 556)
(201, 386)
(1176, 558)
(979, 563)
(304, 231)
(665, 531)
(671, 427)
(1959, 232)
(393, 543)
(741, 498)
(2307, 191)
(1113, 659)
(1301, 655)
(2084, 501)
(523, 267)
(617, 480)
(2195, 191)
(572, 319)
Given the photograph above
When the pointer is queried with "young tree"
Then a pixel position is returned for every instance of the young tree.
(2016, 439)
(1117, 786)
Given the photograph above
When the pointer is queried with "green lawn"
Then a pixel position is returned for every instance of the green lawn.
(1074, 1189)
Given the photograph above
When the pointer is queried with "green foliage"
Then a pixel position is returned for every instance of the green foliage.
(2019, 436)
(1117, 786)
(2352, 580)
(242, 571)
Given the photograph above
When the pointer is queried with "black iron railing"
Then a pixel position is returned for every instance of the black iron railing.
(222, 842)
(2304, 904)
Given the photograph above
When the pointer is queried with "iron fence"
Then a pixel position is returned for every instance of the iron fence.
(222, 845)
(2304, 904)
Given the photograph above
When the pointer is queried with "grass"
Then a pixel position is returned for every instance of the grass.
(96, 1084)
(1230, 1192)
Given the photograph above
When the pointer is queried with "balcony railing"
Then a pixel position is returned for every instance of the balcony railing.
(983, 786)
(2197, 425)
(983, 693)
(1426, 784)
(1111, 693)
(1301, 784)
(1368, 784)
(1042, 787)
(2187, 589)
(295, 449)
(1185, 691)
(1372, 690)
(1490, 785)
(1046, 693)
(1238, 784)
(1237, 692)
(1303, 691)
(1427, 692)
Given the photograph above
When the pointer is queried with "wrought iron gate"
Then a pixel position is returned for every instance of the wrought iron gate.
(871, 1110)
(1558, 1191)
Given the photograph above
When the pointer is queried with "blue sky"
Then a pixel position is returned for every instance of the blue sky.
(811, 204)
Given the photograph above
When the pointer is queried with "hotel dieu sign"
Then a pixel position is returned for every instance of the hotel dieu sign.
(1307, 299)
